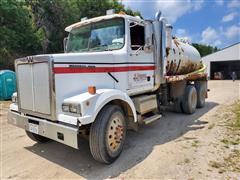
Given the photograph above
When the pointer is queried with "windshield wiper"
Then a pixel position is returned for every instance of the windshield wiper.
(100, 47)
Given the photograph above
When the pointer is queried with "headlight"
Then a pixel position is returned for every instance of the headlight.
(65, 107)
(73, 108)
(14, 98)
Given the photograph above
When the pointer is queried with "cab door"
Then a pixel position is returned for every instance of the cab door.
(141, 63)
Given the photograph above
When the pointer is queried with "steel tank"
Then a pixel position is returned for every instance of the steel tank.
(182, 58)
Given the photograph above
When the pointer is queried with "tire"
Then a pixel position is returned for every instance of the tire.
(107, 134)
(201, 94)
(37, 138)
(189, 103)
(178, 106)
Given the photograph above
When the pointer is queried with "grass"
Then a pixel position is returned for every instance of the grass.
(233, 141)
(211, 126)
(195, 143)
(186, 160)
(236, 123)
(215, 164)
(231, 162)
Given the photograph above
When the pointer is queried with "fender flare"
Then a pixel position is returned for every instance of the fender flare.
(92, 104)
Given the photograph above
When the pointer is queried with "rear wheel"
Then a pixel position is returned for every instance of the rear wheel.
(107, 134)
(190, 100)
(37, 138)
(201, 94)
(178, 105)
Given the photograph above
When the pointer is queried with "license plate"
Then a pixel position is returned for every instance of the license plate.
(33, 128)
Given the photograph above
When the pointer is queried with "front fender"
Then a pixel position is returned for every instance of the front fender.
(91, 104)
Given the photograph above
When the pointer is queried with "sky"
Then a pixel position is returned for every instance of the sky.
(211, 22)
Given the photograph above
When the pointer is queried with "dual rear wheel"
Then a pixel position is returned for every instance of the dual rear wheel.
(193, 97)
(108, 131)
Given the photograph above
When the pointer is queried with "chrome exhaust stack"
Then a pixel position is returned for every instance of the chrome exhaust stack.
(159, 30)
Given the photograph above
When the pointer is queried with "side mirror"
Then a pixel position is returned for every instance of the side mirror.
(148, 34)
(65, 40)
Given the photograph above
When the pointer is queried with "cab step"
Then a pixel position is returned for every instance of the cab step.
(152, 118)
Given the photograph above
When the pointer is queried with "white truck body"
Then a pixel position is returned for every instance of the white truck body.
(128, 77)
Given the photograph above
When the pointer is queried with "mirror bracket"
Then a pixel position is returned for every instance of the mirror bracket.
(148, 33)
(65, 40)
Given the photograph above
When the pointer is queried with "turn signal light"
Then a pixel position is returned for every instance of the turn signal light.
(122, 13)
(92, 89)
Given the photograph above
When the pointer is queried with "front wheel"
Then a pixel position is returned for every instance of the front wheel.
(37, 138)
(107, 134)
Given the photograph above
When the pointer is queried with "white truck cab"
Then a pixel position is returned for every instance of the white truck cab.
(117, 72)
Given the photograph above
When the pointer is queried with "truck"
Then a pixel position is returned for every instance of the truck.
(116, 73)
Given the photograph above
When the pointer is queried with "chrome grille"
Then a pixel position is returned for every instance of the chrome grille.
(35, 86)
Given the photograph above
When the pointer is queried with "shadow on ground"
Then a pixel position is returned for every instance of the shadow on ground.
(137, 147)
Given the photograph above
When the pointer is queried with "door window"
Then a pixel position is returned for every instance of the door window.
(137, 36)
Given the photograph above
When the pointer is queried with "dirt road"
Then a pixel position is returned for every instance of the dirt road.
(176, 146)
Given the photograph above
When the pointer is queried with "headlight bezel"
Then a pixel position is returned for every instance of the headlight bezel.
(71, 108)
(65, 107)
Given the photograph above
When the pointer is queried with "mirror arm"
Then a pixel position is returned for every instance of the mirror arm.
(138, 50)
(65, 44)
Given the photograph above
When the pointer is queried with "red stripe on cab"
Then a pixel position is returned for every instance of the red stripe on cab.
(67, 70)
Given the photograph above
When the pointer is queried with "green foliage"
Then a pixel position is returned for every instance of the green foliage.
(52, 16)
(236, 124)
(37, 26)
(205, 49)
(49, 17)
(17, 34)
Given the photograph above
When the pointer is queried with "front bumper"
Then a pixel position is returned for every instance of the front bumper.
(58, 132)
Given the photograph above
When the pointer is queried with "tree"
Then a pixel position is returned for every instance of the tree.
(37, 26)
(49, 16)
(52, 16)
(17, 34)
(205, 49)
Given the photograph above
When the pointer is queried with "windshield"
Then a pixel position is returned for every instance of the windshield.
(101, 36)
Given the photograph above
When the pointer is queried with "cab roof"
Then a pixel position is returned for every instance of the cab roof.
(99, 18)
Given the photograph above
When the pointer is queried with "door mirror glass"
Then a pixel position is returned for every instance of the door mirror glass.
(148, 35)
(65, 43)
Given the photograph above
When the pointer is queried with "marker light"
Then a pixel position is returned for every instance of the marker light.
(92, 89)
(122, 13)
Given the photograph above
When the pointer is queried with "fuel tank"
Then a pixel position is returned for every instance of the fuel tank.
(182, 58)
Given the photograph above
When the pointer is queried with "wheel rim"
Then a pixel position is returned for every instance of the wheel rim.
(115, 134)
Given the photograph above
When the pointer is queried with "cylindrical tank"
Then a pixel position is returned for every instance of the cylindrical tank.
(182, 58)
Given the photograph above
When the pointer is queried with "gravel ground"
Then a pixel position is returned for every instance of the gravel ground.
(177, 146)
